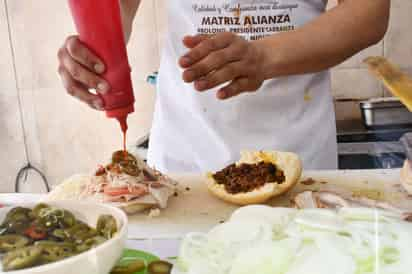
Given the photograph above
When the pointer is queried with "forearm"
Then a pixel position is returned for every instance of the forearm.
(328, 40)
(129, 9)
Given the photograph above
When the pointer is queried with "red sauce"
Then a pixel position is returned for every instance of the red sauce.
(124, 144)
(123, 124)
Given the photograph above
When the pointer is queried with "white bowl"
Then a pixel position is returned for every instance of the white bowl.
(11, 199)
(99, 260)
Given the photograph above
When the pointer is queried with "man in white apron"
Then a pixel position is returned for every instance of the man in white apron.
(244, 74)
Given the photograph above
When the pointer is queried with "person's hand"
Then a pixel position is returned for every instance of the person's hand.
(79, 70)
(222, 58)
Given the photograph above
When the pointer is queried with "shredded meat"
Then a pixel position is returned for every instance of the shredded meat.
(248, 177)
(325, 199)
(149, 176)
(308, 182)
(100, 171)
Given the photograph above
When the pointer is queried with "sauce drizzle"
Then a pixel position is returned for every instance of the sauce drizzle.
(123, 124)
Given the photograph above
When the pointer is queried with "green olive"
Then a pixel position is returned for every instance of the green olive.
(159, 267)
(12, 241)
(22, 258)
(106, 226)
(129, 267)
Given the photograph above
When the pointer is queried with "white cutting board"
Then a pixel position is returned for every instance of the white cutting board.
(195, 210)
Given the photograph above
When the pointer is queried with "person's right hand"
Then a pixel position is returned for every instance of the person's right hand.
(79, 70)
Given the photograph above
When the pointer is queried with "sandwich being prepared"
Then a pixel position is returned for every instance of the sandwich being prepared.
(256, 178)
(127, 182)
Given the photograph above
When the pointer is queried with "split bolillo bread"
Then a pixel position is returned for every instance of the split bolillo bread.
(131, 208)
(406, 176)
(287, 162)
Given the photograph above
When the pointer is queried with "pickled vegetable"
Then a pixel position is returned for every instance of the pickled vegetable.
(60, 234)
(56, 218)
(127, 163)
(11, 242)
(22, 258)
(45, 234)
(122, 157)
(35, 232)
(3, 230)
(159, 267)
(129, 267)
(106, 226)
(38, 208)
(47, 244)
(80, 233)
(17, 220)
(90, 243)
(55, 251)
(19, 213)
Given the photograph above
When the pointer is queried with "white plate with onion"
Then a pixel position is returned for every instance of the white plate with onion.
(261, 239)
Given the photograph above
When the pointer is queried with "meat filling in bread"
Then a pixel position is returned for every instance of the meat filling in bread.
(248, 177)
(127, 179)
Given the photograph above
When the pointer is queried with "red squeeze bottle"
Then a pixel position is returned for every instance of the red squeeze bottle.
(99, 25)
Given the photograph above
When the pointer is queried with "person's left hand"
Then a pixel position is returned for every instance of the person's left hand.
(222, 58)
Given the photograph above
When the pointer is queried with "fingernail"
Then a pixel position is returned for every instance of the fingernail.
(187, 37)
(201, 84)
(103, 87)
(98, 105)
(99, 68)
(189, 76)
(221, 94)
(185, 61)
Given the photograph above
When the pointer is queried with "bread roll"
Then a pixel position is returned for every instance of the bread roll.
(288, 162)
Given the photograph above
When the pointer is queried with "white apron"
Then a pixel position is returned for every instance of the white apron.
(195, 132)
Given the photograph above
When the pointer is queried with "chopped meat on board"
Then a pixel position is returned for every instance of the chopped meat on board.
(327, 199)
